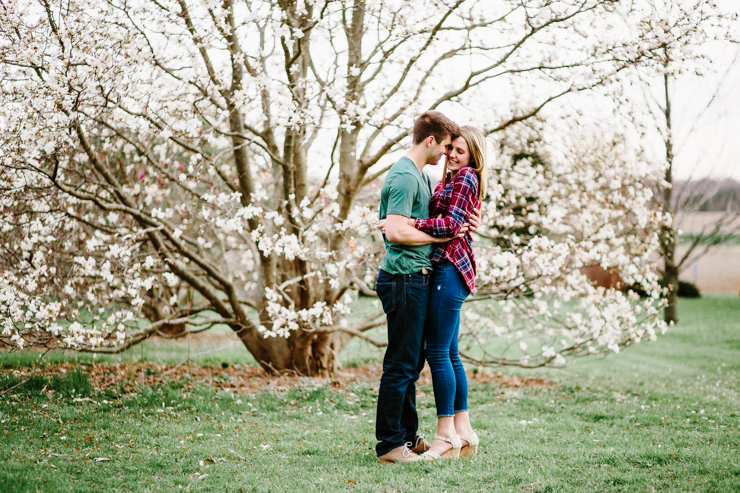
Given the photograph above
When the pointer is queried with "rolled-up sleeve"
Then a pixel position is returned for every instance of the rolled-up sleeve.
(402, 190)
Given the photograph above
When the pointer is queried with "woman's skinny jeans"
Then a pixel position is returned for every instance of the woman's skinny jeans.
(446, 296)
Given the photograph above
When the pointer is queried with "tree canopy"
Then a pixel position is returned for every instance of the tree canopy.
(194, 163)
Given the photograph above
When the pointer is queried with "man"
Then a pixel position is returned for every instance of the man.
(403, 286)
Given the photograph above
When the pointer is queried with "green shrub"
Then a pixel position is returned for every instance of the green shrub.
(688, 289)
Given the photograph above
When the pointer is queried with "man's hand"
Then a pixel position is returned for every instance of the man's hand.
(463, 230)
(475, 219)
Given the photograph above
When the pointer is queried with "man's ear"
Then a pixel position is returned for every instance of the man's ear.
(430, 141)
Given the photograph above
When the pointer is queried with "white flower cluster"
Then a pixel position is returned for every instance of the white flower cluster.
(284, 320)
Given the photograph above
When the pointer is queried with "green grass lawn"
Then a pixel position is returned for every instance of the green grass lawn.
(661, 416)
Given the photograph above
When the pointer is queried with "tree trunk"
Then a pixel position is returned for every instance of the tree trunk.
(273, 355)
(670, 278)
(312, 354)
(668, 237)
(350, 176)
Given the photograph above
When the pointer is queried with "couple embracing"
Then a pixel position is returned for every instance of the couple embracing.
(425, 275)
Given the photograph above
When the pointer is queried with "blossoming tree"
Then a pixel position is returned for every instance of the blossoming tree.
(166, 166)
(684, 30)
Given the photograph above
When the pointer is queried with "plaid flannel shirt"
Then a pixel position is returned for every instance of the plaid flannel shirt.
(455, 201)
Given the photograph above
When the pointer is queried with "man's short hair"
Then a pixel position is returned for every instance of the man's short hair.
(435, 124)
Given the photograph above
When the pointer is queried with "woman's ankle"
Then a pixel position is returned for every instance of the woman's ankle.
(464, 429)
(462, 424)
(446, 427)
(465, 432)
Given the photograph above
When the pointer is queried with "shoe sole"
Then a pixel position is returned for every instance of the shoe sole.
(469, 450)
(451, 454)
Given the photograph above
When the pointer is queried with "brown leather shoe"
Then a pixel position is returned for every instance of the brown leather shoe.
(399, 455)
(421, 445)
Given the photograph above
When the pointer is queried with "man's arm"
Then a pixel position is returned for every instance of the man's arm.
(398, 230)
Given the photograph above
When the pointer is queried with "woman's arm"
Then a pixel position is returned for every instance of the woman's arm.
(464, 198)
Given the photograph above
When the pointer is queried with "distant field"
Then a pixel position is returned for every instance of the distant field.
(693, 224)
(717, 271)
(661, 416)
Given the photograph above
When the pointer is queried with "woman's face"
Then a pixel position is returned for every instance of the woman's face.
(459, 155)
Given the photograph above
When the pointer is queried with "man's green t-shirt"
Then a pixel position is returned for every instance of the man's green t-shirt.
(405, 192)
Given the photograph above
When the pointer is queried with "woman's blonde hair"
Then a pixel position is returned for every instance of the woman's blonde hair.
(478, 148)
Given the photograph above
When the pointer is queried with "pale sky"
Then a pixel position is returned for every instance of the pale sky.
(713, 148)
(707, 139)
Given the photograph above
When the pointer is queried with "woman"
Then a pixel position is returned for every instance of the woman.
(453, 279)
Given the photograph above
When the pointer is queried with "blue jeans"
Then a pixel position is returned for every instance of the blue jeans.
(404, 298)
(446, 297)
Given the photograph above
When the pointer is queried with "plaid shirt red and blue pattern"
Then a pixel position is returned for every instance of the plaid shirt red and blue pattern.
(455, 201)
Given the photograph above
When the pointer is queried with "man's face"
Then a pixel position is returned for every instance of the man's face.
(438, 149)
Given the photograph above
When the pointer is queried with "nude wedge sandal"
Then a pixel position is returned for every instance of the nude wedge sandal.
(472, 447)
(453, 453)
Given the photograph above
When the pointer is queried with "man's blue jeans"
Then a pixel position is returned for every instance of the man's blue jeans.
(448, 291)
(404, 298)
